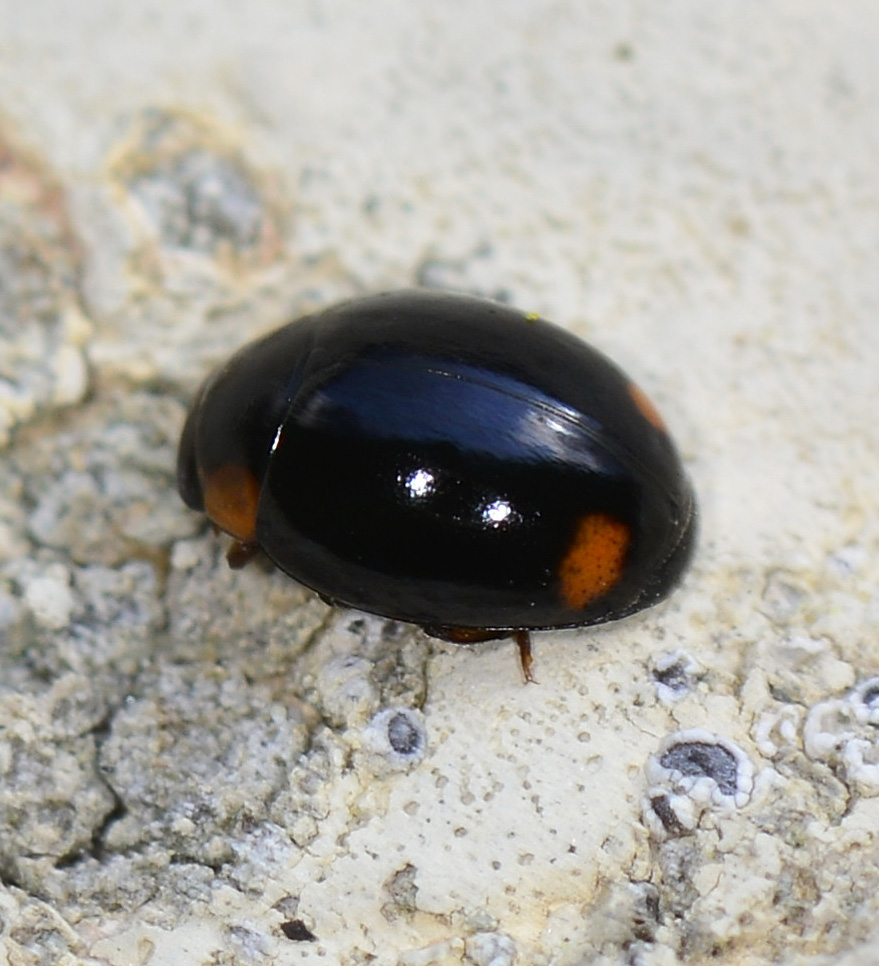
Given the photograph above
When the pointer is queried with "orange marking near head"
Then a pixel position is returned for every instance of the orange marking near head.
(646, 407)
(595, 562)
(231, 500)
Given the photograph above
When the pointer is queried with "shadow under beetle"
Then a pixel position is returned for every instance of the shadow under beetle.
(443, 460)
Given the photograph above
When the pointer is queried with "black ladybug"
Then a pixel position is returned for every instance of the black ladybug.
(443, 460)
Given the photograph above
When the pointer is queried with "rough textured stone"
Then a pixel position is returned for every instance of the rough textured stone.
(206, 767)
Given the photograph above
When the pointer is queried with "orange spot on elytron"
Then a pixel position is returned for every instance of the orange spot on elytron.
(595, 561)
(231, 500)
(646, 407)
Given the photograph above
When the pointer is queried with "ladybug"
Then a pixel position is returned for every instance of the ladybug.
(443, 460)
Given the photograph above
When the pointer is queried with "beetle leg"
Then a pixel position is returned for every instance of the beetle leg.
(475, 635)
(526, 658)
(240, 554)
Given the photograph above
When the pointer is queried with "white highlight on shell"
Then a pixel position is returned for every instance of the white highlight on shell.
(497, 512)
(421, 483)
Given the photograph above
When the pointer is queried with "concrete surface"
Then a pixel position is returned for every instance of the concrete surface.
(206, 767)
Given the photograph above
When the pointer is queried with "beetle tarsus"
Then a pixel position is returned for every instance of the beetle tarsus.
(240, 554)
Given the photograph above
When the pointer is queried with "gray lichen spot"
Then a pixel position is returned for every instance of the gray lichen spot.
(405, 735)
(396, 735)
(700, 758)
(843, 732)
(674, 674)
(673, 677)
(199, 201)
(195, 193)
(868, 694)
(694, 771)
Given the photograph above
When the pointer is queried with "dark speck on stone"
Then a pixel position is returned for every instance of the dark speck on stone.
(296, 930)
(665, 813)
(404, 735)
(870, 696)
(674, 677)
